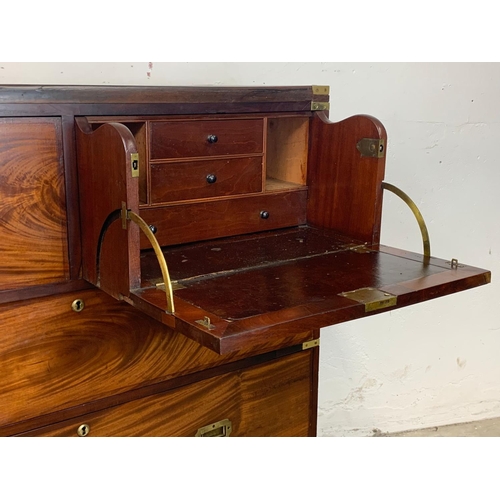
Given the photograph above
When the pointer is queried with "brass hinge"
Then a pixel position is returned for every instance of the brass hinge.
(134, 163)
(320, 106)
(372, 148)
(360, 249)
(175, 286)
(321, 89)
(454, 263)
(310, 344)
(206, 323)
(372, 298)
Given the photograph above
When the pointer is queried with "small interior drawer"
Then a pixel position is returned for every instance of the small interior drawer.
(190, 139)
(205, 179)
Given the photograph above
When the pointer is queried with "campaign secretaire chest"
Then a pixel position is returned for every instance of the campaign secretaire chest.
(170, 254)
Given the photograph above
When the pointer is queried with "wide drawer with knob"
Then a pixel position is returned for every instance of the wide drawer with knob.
(206, 178)
(270, 399)
(195, 138)
(207, 220)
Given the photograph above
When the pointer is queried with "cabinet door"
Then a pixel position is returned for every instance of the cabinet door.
(33, 241)
(272, 399)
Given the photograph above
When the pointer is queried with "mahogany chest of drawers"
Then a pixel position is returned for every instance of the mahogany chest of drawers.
(170, 254)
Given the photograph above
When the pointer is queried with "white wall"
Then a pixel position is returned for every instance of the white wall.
(429, 364)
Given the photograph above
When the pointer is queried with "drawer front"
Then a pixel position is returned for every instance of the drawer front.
(205, 179)
(219, 218)
(272, 399)
(187, 139)
(52, 358)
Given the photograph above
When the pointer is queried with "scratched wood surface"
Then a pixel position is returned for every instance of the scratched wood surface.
(279, 283)
(33, 235)
(271, 399)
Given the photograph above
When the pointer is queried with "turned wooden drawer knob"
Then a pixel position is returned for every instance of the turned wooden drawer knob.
(264, 214)
(211, 178)
(212, 139)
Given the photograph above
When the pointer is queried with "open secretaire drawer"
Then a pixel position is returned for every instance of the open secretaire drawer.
(288, 244)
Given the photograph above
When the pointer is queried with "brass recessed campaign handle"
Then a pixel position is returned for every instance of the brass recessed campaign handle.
(129, 215)
(416, 212)
(223, 428)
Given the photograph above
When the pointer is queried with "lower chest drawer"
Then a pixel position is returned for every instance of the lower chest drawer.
(205, 178)
(271, 399)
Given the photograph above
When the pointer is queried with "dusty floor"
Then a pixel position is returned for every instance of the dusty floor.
(481, 428)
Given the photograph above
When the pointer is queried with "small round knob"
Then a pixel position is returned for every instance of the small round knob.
(212, 139)
(153, 229)
(264, 214)
(211, 178)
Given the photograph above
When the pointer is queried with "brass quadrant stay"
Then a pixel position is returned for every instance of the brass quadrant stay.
(416, 212)
(129, 215)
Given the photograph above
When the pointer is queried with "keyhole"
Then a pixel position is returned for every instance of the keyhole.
(78, 305)
(83, 430)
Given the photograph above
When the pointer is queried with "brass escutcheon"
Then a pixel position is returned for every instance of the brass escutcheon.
(83, 430)
(78, 305)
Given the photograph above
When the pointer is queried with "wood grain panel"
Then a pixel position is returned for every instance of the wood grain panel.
(33, 232)
(105, 182)
(219, 218)
(143, 95)
(286, 151)
(271, 399)
(189, 139)
(188, 180)
(345, 192)
(52, 358)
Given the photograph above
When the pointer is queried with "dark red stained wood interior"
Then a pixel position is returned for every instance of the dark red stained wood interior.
(102, 191)
(187, 139)
(299, 282)
(206, 220)
(345, 192)
(250, 285)
(177, 181)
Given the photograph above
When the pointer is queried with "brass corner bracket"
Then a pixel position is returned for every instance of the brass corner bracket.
(372, 298)
(310, 344)
(320, 89)
(320, 106)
